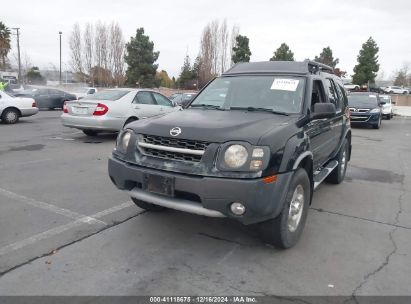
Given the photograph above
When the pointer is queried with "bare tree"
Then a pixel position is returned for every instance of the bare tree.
(206, 57)
(76, 60)
(224, 44)
(215, 45)
(116, 53)
(88, 50)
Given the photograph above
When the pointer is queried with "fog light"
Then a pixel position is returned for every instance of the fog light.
(237, 208)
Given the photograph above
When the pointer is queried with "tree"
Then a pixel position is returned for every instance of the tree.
(5, 45)
(88, 51)
(326, 57)
(76, 61)
(33, 76)
(367, 68)
(241, 49)
(186, 73)
(283, 53)
(403, 77)
(164, 80)
(140, 59)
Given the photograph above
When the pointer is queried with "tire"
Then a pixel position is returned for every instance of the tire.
(10, 116)
(130, 120)
(391, 92)
(389, 116)
(285, 230)
(89, 132)
(378, 125)
(147, 206)
(338, 174)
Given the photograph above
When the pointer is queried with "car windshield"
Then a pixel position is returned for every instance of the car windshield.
(275, 93)
(363, 100)
(108, 95)
(386, 99)
(81, 90)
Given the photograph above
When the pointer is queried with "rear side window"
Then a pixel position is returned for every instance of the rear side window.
(108, 95)
(332, 94)
(143, 98)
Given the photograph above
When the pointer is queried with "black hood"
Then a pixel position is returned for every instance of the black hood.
(214, 125)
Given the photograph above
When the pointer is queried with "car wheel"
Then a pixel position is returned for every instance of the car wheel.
(391, 92)
(147, 206)
(10, 116)
(89, 132)
(389, 116)
(338, 174)
(378, 124)
(285, 230)
(405, 92)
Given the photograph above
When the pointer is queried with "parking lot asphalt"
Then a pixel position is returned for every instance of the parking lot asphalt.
(66, 230)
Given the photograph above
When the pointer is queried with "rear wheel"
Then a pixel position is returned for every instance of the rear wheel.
(89, 132)
(389, 116)
(10, 116)
(147, 206)
(130, 120)
(338, 174)
(285, 230)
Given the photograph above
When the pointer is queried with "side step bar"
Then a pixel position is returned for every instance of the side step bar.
(319, 176)
(173, 203)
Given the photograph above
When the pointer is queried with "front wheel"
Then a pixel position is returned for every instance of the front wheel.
(10, 116)
(378, 124)
(147, 206)
(285, 230)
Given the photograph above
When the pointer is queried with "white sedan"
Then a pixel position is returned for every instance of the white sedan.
(12, 108)
(111, 110)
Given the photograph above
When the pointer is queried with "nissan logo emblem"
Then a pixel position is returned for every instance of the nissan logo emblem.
(175, 131)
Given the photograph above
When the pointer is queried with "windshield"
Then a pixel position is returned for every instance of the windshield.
(386, 99)
(108, 95)
(363, 100)
(276, 93)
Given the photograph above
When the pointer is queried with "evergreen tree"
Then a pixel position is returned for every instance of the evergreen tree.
(186, 73)
(283, 53)
(5, 45)
(367, 68)
(140, 59)
(241, 49)
(326, 57)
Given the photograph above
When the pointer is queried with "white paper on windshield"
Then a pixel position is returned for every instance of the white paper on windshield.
(285, 84)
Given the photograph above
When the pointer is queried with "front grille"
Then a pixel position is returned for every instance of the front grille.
(355, 110)
(172, 148)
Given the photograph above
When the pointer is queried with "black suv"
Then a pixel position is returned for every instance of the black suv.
(252, 146)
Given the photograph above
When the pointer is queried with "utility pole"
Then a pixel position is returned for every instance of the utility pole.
(18, 50)
(60, 57)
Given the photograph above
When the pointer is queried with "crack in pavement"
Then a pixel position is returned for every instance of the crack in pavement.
(221, 239)
(388, 257)
(320, 210)
(70, 243)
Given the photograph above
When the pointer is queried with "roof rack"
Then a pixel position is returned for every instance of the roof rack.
(315, 67)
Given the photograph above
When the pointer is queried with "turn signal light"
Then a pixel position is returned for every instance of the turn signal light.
(270, 179)
(100, 110)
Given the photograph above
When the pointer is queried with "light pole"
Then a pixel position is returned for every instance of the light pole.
(18, 50)
(60, 57)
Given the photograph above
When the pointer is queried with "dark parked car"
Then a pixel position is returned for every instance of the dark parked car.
(252, 146)
(47, 98)
(182, 99)
(365, 109)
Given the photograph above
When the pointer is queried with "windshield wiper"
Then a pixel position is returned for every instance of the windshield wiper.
(207, 106)
(260, 109)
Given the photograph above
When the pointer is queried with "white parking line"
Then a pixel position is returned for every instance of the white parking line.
(50, 207)
(59, 229)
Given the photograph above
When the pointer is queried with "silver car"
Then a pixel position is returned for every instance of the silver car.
(111, 110)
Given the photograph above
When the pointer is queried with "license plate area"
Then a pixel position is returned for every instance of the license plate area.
(159, 184)
(79, 110)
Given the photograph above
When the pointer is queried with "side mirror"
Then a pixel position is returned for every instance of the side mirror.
(323, 110)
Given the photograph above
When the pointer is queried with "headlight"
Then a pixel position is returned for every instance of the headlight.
(376, 110)
(236, 156)
(123, 141)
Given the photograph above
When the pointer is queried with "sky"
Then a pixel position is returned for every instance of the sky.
(175, 27)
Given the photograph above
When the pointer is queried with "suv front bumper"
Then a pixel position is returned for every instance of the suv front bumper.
(213, 195)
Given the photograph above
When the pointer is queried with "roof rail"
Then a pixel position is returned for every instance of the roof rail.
(315, 67)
